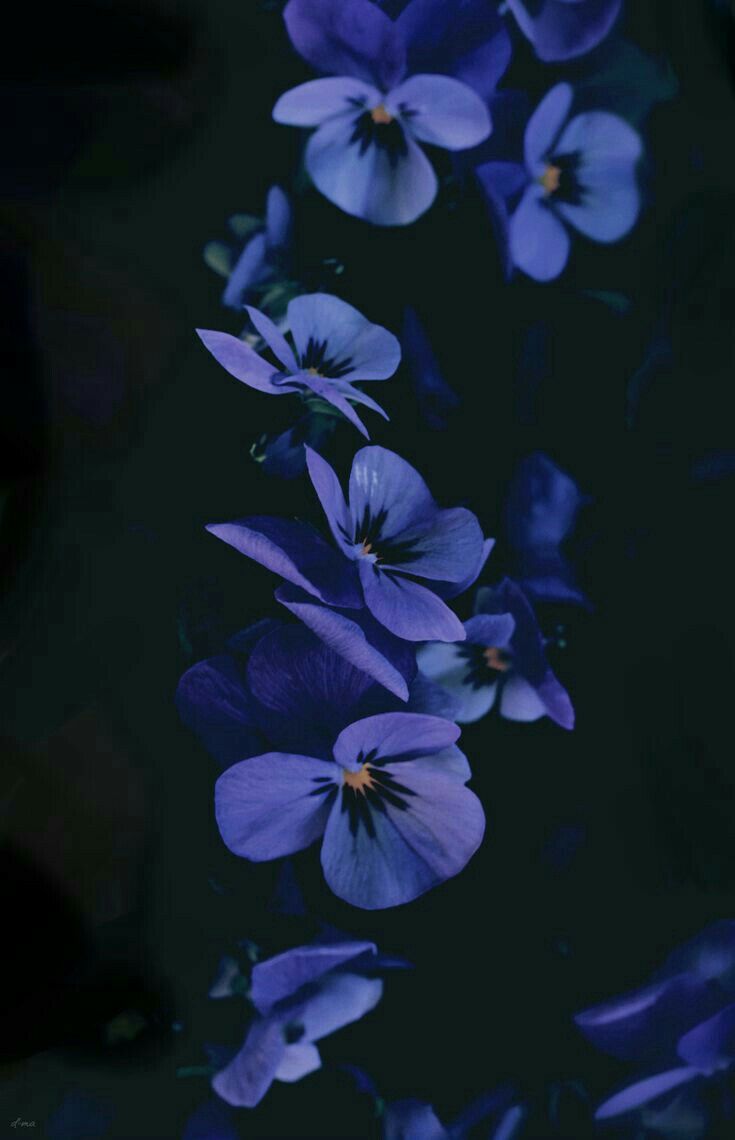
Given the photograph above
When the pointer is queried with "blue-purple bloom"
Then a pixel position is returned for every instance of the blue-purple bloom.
(333, 347)
(578, 173)
(679, 1030)
(541, 511)
(384, 95)
(390, 805)
(435, 398)
(502, 659)
(563, 29)
(301, 996)
(261, 257)
(398, 556)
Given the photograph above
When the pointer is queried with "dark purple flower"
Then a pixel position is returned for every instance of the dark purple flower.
(502, 658)
(578, 173)
(682, 1023)
(301, 996)
(541, 511)
(398, 554)
(379, 103)
(261, 254)
(390, 805)
(563, 29)
(435, 398)
(333, 347)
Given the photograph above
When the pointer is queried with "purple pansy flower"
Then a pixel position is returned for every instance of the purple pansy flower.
(301, 996)
(502, 658)
(578, 173)
(288, 691)
(262, 254)
(541, 511)
(378, 102)
(563, 29)
(680, 1027)
(398, 556)
(390, 806)
(333, 346)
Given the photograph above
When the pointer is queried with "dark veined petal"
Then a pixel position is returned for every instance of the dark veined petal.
(388, 187)
(408, 610)
(384, 484)
(274, 805)
(320, 100)
(364, 350)
(242, 362)
(391, 737)
(245, 1081)
(643, 1092)
(296, 552)
(463, 38)
(274, 338)
(440, 110)
(539, 243)
(283, 975)
(213, 702)
(347, 39)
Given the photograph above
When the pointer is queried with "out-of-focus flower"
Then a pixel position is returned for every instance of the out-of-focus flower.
(563, 29)
(390, 86)
(301, 996)
(578, 173)
(391, 805)
(679, 1029)
(541, 511)
(502, 658)
(261, 253)
(435, 398)
(333, 347)
(213, 1120)
(391, 534)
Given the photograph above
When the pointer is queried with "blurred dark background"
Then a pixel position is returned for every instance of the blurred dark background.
(133, 132)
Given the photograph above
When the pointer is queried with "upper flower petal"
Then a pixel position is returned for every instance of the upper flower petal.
(281, 976)
(545, 124)
(295, 551)
(313, 103)
(275, 804)
(347, 39)
(391, 737)
(383, 484)
(250, 269)
(382, 185)
(240, 361)
(440, 110)
(710, 955)
(274, 338)
(490, 629)
(247, 1078)
(642, 1092)
(563, 29)
(407, 609)
(539, 243)
(463, 38)
(357, 348)
(328, 489)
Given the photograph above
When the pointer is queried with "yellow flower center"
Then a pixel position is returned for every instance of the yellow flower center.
(313, 372)
(358, 781)
(380, 115)
(496, 658)
(551, 179)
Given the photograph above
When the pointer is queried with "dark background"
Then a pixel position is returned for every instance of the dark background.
(134, 133)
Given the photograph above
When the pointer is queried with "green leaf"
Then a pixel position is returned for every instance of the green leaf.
(218, 257)
(244, 225)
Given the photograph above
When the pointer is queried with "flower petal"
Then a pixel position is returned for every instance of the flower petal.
(273, 805)
(340, 1000)
(609, 149)
(329, 492)
(245, 1081)
(545, 124)
(347, 39)
(298, 1061)
(321, 100)
(281, 976)
(520, 701)
(440, 110)
(274, 338)
(296, 552)
(250, 269)
(563, 29)
(448, 590)
(367, 351)
(642, 1092)
(539, 243)
(710, 955)
(213, 702)
(710, 1047)
(278, 218)
(447, 546)
(382, 483)
(356, 636)
(408, 610)
(393, 737)
(370, 182)
(490, 629)
(328, 391)
(465, 39)
(412, 1120)
(447, 666)
(240, 361)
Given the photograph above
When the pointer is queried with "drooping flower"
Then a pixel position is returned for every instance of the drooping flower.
(541, 509)
(680, 1029)
(301, 996)
(563, 29)
(578, 173)
(261, 253)
(333, 347)
(501, 659)
(391, 807)
(398, 555)
(281, 688)
(384, 95)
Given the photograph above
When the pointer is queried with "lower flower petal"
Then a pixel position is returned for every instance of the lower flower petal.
(539, 243)
(298, 1061)
(520, 701)
(448, 666)
(407, 609)
(245, 1081)
(242, 362)
(642, 1092)
(372, 183)
(275, 804)
(340, 1000)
